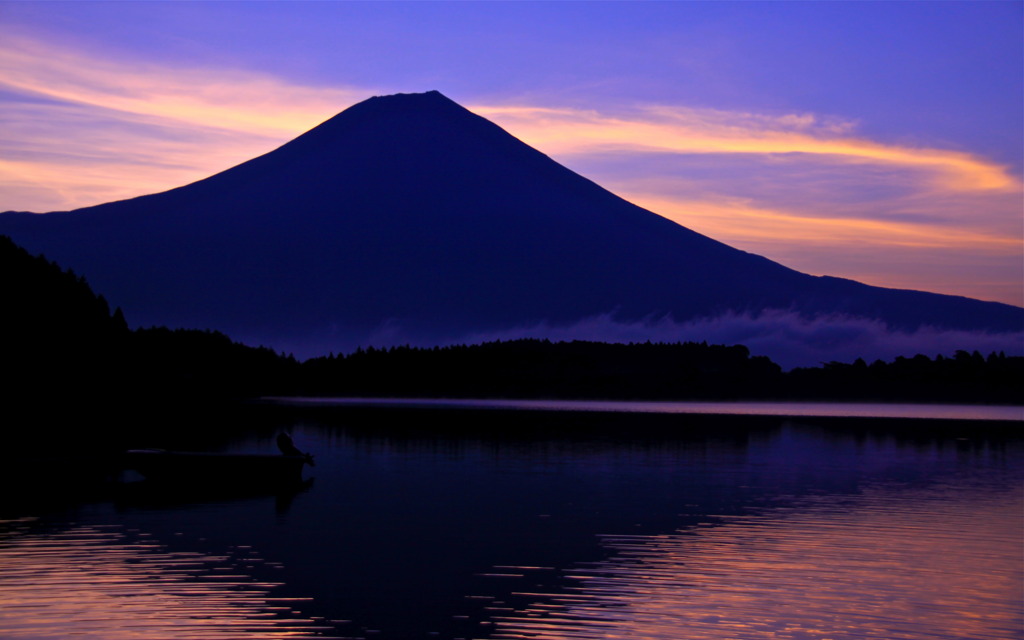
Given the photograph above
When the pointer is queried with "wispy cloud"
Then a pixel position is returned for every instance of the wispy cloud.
(951, 257)
(81, 129)
(229, 99)
(707, 131)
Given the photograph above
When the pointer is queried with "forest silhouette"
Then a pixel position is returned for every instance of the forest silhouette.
(66, 352)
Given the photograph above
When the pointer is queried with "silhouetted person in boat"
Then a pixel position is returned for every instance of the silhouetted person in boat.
(288, 448)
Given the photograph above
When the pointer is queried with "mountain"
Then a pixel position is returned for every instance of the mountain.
(407, 218)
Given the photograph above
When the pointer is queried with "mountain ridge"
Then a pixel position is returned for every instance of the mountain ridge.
(409, 217)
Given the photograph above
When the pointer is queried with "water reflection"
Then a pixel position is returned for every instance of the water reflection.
(477, 524)
(739, 408)
(890, 563)
(109, 583)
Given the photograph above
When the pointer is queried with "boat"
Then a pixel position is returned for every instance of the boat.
(226, 468)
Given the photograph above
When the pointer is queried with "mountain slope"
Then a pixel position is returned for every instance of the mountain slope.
(408, 218)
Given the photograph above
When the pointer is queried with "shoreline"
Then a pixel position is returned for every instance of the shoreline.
(782, 409)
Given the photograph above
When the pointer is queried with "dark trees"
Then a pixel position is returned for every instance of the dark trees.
(65, 355)
(665, 371)
(543, 369)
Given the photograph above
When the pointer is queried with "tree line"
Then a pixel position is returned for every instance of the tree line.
(62, 346)
(532, 368)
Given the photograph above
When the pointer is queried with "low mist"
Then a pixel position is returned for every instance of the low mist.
(789, 339)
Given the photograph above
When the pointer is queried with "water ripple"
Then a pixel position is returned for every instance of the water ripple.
(891, 563)
(107, 583)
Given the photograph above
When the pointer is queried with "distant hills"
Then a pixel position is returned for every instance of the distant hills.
(408, 219)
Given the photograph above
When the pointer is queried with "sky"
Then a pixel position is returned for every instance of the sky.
(877, 141)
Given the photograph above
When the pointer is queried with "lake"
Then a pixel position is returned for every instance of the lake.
(737, 408)
(425, 521)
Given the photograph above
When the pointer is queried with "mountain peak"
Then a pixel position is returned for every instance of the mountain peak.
(405, 102)
(423, 97)
(383, 119)
(410, 218)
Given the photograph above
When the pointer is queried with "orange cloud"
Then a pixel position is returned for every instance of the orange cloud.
(744, 221)
(234, 100)
(958, 259)
(708, 131)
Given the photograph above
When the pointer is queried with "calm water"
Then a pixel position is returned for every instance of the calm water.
(739, 408)
(429, 523)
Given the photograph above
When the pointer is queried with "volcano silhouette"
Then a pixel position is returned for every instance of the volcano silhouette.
(410, 217)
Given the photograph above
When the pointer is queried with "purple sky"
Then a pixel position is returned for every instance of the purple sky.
(880, 141)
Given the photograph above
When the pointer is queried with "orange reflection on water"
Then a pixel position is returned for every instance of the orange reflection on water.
(889, 564)
(104, 583)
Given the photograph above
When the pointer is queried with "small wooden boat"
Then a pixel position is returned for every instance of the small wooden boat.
(240, 468)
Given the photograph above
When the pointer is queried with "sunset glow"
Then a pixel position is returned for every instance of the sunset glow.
(661, 130)
(125, 108)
